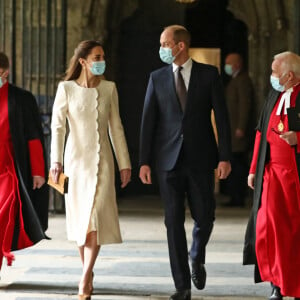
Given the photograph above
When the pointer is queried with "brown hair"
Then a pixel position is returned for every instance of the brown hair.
(83, 49)
(4, 62)
(180, 34)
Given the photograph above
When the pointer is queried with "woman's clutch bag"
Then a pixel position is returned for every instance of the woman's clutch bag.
(62, 185)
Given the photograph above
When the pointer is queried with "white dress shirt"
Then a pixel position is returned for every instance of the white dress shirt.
(186, 71)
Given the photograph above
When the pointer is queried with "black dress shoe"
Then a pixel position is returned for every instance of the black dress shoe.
(181, 295)
(198, 275)
(275, 295)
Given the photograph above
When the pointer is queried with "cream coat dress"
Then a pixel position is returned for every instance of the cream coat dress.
(94, 121)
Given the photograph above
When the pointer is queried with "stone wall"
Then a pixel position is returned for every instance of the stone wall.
(97, 19)
(271, 30)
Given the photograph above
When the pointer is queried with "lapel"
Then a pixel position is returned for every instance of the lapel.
(273, 98)
(271, 103)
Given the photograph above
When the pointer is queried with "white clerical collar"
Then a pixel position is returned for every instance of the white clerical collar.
(286, 100)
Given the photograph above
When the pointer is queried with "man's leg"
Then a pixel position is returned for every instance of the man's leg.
(172, 188)
(202, 205)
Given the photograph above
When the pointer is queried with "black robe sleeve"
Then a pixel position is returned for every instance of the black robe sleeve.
(25, 124)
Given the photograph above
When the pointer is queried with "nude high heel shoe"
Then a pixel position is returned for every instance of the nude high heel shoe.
(91, 283)
(84, 297)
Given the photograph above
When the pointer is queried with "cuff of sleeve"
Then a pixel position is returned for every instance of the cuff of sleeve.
(252, 169)
(36, 158)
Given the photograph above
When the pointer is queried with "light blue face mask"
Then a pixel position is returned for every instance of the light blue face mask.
(275, 84)
(98, 67)
(228, 69)
(165, 55)
(1, 82)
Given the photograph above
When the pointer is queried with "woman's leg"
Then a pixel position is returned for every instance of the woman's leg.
(88, 255)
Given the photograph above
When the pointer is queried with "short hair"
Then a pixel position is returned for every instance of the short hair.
(238, 56)
(180, 34)
(289, 61)
(4, 62)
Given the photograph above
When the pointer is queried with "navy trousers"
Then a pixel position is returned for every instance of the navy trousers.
(176, 186)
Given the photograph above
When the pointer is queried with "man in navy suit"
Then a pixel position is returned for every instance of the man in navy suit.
(178, 139)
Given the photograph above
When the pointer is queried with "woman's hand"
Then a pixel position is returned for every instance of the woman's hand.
(125, 175)
(55, 171)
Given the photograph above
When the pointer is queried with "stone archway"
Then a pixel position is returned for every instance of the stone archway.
(267, 35)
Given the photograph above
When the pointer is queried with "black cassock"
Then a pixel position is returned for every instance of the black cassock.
(25, 125)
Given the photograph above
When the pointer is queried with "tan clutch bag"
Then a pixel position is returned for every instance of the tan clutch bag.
(62, 185)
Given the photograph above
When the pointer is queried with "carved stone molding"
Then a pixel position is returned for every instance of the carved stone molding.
(267, 35)
(245, 10)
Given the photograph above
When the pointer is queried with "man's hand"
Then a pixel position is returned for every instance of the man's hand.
(224, 169)
(38, 181)
(290, 137)
(125, 175)
(145, 174)
(251, 178)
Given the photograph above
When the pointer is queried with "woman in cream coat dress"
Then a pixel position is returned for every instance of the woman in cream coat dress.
(89, 104)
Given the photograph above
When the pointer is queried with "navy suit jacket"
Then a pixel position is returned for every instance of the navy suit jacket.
(165, 129)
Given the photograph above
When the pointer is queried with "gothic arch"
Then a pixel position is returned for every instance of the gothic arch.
(267, 36)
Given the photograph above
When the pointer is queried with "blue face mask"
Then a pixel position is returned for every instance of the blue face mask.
(98, 67)
(228, 69)
(275, 84)
(1, 82)
(165, 55)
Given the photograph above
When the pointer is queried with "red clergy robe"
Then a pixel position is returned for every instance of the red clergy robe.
(278, 219)
(10, 200)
